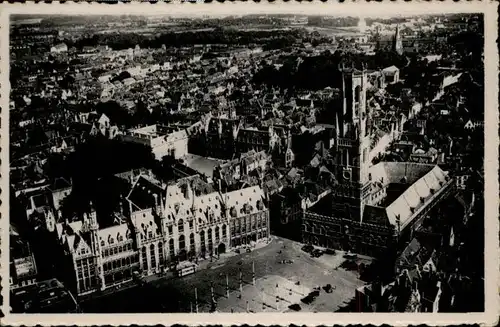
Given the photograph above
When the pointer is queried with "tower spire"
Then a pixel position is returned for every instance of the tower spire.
(397, 45)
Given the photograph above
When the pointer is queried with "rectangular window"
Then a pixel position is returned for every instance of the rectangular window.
(170, 230)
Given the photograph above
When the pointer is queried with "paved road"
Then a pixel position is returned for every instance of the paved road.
(178, 294)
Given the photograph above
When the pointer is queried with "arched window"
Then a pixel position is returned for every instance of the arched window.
(153, 255)
(144, 254)
(191, 243)
(357, 93)
(182, 243)
(202, 241)
(217, 234)
(180, 226)
(224, 231)
(171, 247)
(102, 243)
(160, 254)
(210, 240)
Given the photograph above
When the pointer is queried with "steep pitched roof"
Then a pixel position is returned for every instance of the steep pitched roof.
(411, 199)
(142, 195)
(245, 201)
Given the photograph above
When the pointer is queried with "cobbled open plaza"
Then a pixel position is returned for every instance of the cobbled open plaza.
(272, 278)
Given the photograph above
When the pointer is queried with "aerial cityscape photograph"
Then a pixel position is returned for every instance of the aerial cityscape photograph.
(256, 163)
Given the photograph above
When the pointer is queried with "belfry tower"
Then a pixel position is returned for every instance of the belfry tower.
(352, 146)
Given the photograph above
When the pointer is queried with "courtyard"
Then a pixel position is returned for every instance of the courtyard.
(290, 282)
(201, 164)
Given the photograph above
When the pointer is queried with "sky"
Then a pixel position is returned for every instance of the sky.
(216, 9)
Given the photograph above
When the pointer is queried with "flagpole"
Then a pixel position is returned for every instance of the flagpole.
(196, 299)
(253, 272)
(241, 282)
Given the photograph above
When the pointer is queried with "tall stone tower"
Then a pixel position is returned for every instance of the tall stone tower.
(397, 43)
(352, 146)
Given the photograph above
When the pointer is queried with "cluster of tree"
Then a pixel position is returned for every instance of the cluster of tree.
(120, 77)
(245, 21)
(279, 43)
(332, 21)
(92, 167)
(120, 41)
(393, 20)
(322, 71)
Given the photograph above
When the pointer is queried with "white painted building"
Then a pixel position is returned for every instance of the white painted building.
(162, 141)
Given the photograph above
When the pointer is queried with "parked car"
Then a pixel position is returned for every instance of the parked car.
(308, 248)
(317, 253)
(308, 299)
(295, 307)
(237, 251)
(330, 251)
(249, 250)
(350, 255)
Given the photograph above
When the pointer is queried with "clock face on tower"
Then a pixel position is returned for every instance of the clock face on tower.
(347, 174)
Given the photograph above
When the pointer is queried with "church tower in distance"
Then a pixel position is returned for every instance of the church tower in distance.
(397, 43)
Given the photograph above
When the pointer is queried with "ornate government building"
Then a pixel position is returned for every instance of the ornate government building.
(163, 225)
(372, 207)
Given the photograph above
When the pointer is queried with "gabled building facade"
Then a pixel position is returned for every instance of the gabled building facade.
(164, 225)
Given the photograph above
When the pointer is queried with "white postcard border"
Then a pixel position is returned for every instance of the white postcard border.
(489, 9)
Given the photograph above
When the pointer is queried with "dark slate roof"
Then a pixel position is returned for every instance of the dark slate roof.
(142, 194)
